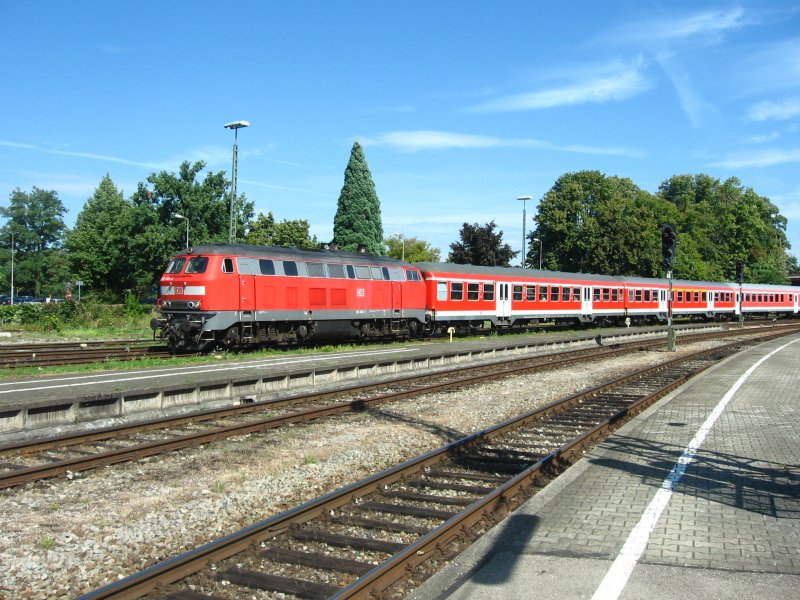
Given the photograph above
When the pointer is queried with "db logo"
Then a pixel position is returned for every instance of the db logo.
(360, 292)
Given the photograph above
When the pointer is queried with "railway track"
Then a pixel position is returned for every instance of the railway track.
(374, 537)
(28, 461)
(14, 356)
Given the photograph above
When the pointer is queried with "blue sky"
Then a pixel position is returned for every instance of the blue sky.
(461, 106)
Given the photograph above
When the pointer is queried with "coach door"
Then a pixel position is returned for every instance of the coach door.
(503, 300)
(586, 300)
(662, 301)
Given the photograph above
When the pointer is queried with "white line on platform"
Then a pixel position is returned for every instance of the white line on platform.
(617, 577)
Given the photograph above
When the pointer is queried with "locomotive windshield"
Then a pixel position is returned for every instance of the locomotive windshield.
(197, 264)
(175, 265)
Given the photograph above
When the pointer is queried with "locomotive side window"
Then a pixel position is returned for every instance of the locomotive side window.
(473, 289)
(175, 265)
(267, 267)
(362, 272)
(227, 265)
(377, 273)
(488, 291)
(351, 272)
(518, 293)
(441, 290)
(290, 268)
(393, 273)
(336, 271)
(315, 269)
(530, 293)
(456, 291)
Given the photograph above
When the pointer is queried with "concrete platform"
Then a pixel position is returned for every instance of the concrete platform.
(59, 404)
(698, 497)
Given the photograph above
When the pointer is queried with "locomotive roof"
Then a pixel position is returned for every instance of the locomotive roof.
(281, 253)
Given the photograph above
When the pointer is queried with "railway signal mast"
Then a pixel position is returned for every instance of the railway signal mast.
(669, 249)
(740, 281)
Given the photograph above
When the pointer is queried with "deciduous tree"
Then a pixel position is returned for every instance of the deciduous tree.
(481, 245)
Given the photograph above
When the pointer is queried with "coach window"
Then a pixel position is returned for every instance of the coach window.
(267, 267)
(596, 294)
(614, 295)
(630, 295)
(565, 294)
(554, 293)
(473, 291)
(488, 291)
(227, 265)
(606, 294)
(197, 264)
(441, 290)
(530, 293)
(638, 295)
(576, 294)
(697, 296)
(456, 291)
(705, 297)
(542, 293)
(517, 293)
(647, 295)
(680, 296)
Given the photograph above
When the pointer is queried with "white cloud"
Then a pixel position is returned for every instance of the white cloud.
(89, 155)
(779, 111)
(611, 83)
(412, 141)
(705, 26)
(766, 158)
(765, 138)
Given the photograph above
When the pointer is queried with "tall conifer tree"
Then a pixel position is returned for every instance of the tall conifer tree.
(358, 215)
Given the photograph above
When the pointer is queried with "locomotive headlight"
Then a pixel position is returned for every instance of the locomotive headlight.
(166, 303)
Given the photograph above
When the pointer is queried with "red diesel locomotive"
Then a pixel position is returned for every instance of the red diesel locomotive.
(234, 295)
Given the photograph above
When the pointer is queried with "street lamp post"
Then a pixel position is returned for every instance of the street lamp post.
(541, 248)
(236, 126)
(12, 268)
(524, 199)
(177, 216)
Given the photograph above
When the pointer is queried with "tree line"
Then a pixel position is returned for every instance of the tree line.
(587, 222)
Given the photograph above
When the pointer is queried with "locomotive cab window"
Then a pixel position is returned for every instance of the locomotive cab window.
(413, 276)
(227, 265)
(197, 264)
(175, 265)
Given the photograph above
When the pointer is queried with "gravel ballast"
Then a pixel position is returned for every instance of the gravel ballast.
(69, 536)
